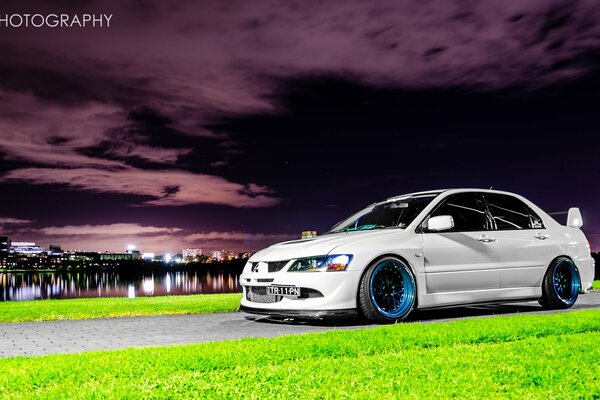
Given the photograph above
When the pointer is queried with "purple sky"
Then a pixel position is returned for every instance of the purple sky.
(237, 124)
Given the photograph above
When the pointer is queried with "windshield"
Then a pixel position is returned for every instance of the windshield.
(396, 213)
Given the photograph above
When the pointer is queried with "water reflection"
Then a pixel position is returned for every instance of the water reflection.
(17, 286)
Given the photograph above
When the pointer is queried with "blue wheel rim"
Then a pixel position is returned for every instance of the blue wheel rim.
(392, 289)
(565, 281)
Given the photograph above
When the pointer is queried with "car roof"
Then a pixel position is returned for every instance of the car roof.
(438, 191)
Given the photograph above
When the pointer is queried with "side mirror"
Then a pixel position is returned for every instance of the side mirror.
(574, 219)
(440, 223)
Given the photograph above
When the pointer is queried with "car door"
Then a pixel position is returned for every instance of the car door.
(523, 241)
(465, 257)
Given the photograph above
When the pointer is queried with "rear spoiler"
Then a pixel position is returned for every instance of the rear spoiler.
(574, 218)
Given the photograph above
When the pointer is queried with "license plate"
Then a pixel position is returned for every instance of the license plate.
(284, 290)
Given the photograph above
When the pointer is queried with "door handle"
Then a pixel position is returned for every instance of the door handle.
(486, 239)
(541, 236)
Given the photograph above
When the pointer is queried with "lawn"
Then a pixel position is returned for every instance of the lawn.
(49, 310)
(522, 357)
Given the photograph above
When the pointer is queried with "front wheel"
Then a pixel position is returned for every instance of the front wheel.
(561, 285)
(387, 291)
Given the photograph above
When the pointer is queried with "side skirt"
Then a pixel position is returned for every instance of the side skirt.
(487, 296)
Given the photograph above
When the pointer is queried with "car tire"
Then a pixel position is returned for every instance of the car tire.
(387, 291)
(561, 284)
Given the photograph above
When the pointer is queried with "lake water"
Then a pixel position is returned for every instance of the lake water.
(18, 286)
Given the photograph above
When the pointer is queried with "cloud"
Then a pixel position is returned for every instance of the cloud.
(164, 187)
(49, 133)
(58, 135)
(238, 236)
(149, 153)
(237, 240)
(45, 133)
(105, 230)
(196, 61)
(13, 221)
(147, 238)
(107, 237)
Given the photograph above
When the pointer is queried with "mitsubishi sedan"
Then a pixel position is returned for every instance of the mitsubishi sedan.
(441, 248)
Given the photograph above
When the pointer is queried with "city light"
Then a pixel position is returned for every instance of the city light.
(131, 292)
(148, 285)
(130, 247)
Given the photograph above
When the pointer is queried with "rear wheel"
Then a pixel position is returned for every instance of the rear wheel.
(387, 291)
(561, 285)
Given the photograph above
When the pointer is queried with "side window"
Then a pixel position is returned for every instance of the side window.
(510, 213)
(536, 221)
(467, 210)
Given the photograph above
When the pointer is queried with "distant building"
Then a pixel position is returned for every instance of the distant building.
(26, 248)
(4, 251)
(82, 256)
(54, 249)
(191, 255)
(30, 255)
(216, 255)
(115, 256)
(223, 255)
(309, 234)
(54, 255)
(4, 246)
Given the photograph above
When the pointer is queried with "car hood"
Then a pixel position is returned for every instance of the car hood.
(318, 246)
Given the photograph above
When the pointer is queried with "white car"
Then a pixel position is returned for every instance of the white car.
(424, 250)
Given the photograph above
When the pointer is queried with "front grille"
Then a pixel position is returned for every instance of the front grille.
(276, 266)
(258, 294)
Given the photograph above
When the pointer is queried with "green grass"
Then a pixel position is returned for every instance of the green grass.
(522, 357)
(50, 310)
(596, 285)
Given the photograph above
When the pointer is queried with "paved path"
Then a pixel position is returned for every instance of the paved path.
(38, 338)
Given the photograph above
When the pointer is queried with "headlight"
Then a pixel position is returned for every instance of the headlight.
(338, 262)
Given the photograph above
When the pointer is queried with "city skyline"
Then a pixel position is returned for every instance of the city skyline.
(31, 255)
(23, 247)
(238, 125)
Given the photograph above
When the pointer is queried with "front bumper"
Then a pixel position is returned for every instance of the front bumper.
(305, 314)
(335, 291)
